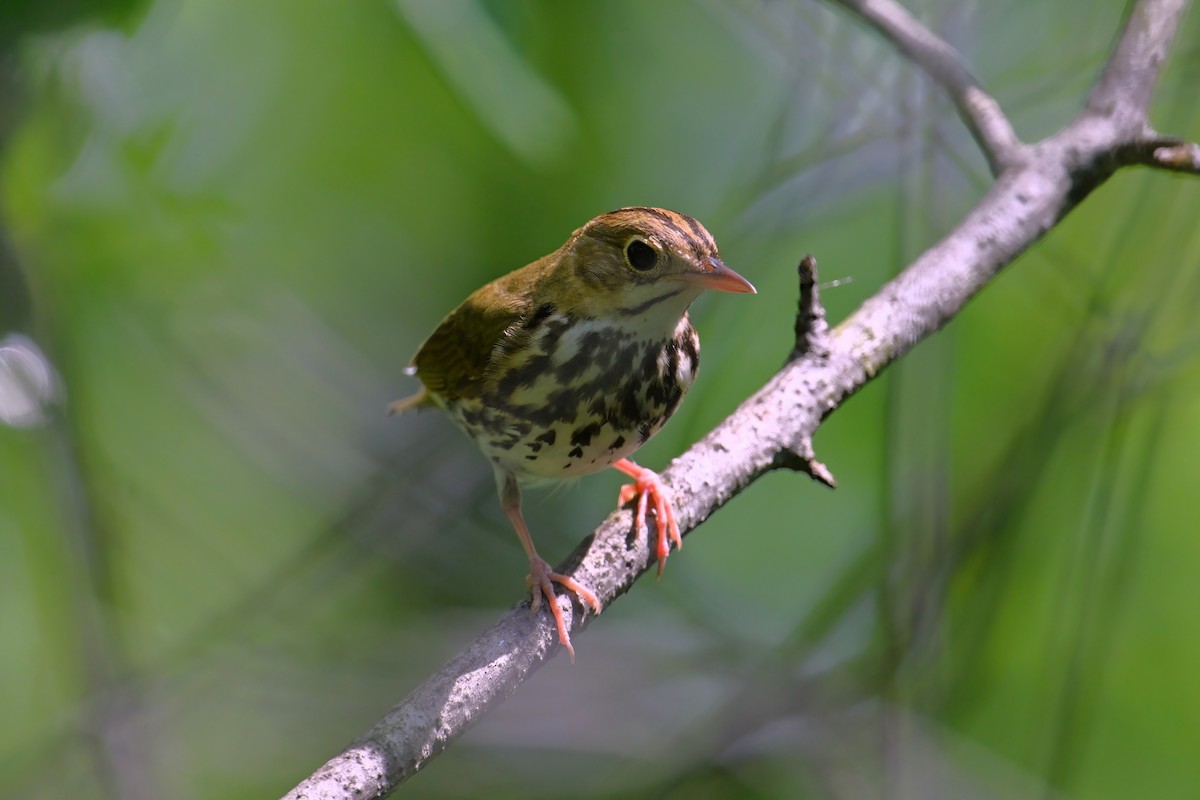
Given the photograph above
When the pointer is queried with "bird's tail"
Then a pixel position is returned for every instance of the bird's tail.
(419, 400)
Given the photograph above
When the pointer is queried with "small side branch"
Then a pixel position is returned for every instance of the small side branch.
(1174, 155)
(812, 339)
(812, 331)
(979, 110)
(1178, 157)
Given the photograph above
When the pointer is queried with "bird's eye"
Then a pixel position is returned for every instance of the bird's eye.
(640, 255)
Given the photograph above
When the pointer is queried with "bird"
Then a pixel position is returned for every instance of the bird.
(566, 366)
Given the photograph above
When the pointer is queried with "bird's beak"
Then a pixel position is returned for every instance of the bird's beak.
(720, 278)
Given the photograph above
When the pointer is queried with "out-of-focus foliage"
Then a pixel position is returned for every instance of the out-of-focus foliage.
(227, 225)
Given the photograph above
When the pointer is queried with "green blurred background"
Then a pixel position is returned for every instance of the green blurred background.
(227, 225)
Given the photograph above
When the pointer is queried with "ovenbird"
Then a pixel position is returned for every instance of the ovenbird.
(569, 364)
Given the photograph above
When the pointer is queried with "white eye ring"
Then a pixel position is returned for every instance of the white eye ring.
(640, 255)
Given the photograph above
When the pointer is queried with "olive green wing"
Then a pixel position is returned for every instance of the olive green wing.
(454, 361)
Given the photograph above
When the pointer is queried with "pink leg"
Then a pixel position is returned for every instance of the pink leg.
(541, 578)
(648, 487)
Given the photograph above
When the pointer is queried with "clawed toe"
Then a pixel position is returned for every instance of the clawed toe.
(541, 580)
(649, 488)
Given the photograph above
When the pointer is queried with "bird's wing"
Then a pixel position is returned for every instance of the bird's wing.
(454, 361)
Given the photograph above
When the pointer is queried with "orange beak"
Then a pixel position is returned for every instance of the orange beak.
(720, 278)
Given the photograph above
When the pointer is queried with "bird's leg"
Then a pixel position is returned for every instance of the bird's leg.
(541, 578)
(648, 487)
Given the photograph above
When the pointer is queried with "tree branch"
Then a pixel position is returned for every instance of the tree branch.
(979, 110)
(1037, 186)
(1127, 81)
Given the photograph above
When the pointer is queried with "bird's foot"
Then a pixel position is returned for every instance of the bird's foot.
(541, 580)
(648, 488)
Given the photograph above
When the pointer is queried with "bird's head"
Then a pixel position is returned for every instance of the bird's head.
(642, 262)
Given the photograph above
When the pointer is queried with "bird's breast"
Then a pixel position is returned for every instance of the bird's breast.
(577, 395)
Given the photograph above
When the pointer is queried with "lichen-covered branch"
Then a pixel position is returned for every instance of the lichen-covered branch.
(1037, 185)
